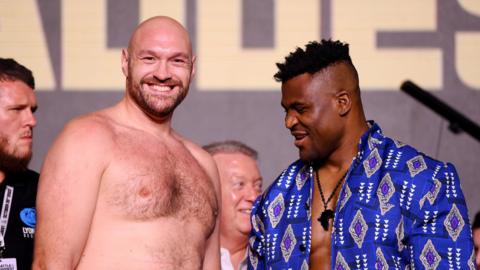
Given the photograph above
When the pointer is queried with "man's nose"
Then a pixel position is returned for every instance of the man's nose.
(162, 71)
(251, 194)
(30, 119)
(290, 120)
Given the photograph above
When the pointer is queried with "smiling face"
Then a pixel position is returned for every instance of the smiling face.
(17, 104)
(241, 184)
(159, 66)
(314, 112)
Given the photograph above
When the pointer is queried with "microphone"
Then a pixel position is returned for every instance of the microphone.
(457, 121)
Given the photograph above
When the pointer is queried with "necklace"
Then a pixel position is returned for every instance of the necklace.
(327, 213)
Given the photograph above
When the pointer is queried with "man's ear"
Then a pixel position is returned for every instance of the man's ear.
(125, 62)
(344, 102)
(194, 60)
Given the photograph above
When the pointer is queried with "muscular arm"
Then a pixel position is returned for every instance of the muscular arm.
(67, 195)
(212, 251)
(212, 254)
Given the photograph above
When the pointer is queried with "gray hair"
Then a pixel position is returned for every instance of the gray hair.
(230, 147)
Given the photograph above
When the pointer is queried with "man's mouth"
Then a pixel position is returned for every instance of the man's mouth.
(246, 211)
(27, 135)
(299, 137)
(160, 87)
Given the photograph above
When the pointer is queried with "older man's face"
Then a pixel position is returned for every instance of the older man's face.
(241, 184)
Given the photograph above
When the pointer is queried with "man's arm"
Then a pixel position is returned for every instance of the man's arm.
(212, 251)
(67, 194)
(441, 235)
(256, 260)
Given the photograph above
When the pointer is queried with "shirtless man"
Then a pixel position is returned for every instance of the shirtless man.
(120, 188)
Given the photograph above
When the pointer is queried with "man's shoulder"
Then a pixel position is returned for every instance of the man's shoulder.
(202, 156)
(196, 150)
(191, 146)
(410, 153)
(287, 179)
(24, 178)
(31, 175)
(415, 160)
(84, 137)
(90, 126)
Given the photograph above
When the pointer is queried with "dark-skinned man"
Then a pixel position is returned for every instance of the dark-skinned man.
(355, 199)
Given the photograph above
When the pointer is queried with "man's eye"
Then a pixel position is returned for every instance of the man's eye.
(180, 61)
(148, 59)
(238, 184)
(300, 109)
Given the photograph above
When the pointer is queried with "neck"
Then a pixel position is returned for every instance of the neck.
(140, 119)
(234, 244)
(341, 158)
(237, 249)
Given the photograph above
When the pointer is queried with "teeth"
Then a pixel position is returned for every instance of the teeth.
(248, 211)
(161, 88)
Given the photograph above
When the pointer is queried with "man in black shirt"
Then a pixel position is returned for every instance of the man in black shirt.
(18, 185)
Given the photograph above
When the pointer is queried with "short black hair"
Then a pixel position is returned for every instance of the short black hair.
(315, 57)
(476, 221)
(11, 70)
(230, 147)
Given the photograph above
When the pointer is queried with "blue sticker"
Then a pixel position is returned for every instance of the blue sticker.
(29, 217)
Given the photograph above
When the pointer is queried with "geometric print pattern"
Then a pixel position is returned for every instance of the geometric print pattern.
(397, 209)
(385, 191)
(288, 243)
(340, 263)
(454, 223)
(358, 229)
(416, 165)
(276, 209)
(372, 163)
(430, 257)
(432, 193)
(381, 263)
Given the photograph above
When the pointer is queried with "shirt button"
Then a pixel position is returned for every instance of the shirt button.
(302, 247)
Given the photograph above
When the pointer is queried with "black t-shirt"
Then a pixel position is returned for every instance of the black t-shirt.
(22, 218)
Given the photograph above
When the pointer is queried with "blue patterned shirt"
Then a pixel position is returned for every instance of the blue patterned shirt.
(398, 209)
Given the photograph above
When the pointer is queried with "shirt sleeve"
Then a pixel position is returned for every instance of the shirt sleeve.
(440, 236)
(256, 258)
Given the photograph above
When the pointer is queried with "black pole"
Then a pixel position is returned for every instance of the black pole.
(458, 122)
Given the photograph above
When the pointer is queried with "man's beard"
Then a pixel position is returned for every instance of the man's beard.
(154, 105)
(9, 162)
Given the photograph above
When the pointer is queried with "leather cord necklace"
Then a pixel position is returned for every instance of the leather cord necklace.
(327, 213)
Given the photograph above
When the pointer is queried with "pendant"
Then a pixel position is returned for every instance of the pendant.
(324, 217)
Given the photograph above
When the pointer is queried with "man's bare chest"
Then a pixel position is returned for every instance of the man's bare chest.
(147, 181)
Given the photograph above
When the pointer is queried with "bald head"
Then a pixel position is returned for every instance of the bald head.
(160, 29)
(158, 66)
